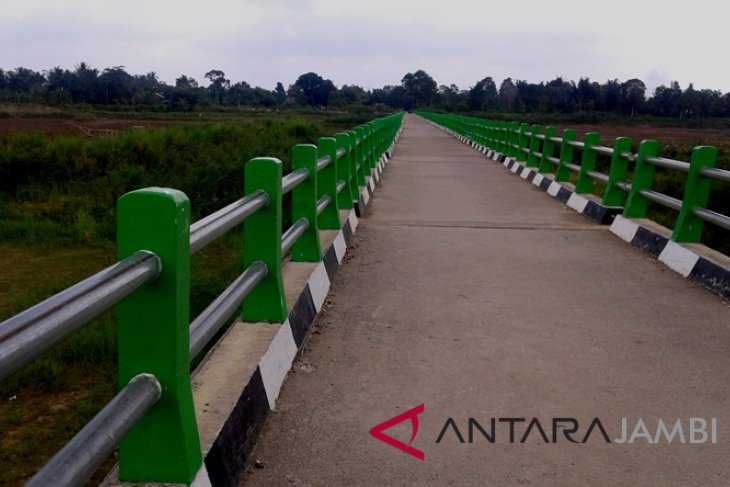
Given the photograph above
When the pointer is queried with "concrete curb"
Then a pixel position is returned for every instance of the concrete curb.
(696, 262)
(263, 354)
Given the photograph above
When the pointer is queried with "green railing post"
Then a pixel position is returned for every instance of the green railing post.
(637, 204)
(502, 135)
(304, 204)
(548, 149)
(352, 159)
(532, 160)
(359, 152)
(696, 193)
(588, 162)
(327, 184)
(153, 338)
(364, 149)
(370, 128)
(562, 173)
(522, 142)
(344, 171)
(514, 129)
(376, 141)
(614, 196)
(262, 242)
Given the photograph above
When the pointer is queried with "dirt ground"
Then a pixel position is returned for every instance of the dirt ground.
(53, 126)
(681, 136)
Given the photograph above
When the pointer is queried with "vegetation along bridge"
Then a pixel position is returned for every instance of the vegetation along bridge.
(461, 327)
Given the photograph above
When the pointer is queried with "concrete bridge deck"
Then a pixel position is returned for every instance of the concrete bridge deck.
(472, 292)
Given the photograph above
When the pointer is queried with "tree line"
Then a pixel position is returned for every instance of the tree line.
(115, 87)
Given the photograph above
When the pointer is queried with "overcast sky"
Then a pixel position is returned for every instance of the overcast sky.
(372, 43)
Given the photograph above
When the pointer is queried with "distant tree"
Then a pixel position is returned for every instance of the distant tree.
(559, 95)
(218, 84)
(633, 96)
(507, 94)
(295, 95)
(280, 93)
(711, 104)
(23, 80)
(117, 86)
(393, 96)
(147, 89)
(610, 97)
(587, 94)
(315, 90)
(186, 83)
(451, 98)
(263, 97)
(348, 95)
(353, 93)
(58, 86)
(667, 101)
(241, 93)
(86, 86)
(420, 87)
(186, 94)
(726, 104)
(380, 96)
(690, 102)
(483, 96)
(530, 97)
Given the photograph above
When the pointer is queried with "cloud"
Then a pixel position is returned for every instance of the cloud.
(373, 43)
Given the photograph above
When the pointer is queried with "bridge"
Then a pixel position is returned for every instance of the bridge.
(454, 312)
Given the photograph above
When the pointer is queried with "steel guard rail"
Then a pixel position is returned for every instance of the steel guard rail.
(550, 153)
(152, 417)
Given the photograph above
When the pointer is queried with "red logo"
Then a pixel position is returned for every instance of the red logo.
(412, 414)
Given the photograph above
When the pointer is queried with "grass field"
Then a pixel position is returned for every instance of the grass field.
(60, 175)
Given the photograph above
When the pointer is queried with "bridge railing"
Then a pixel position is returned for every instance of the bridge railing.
(550, 153)
(152, 419)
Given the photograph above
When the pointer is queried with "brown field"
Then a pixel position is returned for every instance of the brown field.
(51, 126)
(677, 136)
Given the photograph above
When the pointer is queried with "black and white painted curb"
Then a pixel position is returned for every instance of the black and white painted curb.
(565, 194)
(708, 273)
(227, 459)
(680, 258)
(371, 182)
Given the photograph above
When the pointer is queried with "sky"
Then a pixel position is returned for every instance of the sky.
(373, 43)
